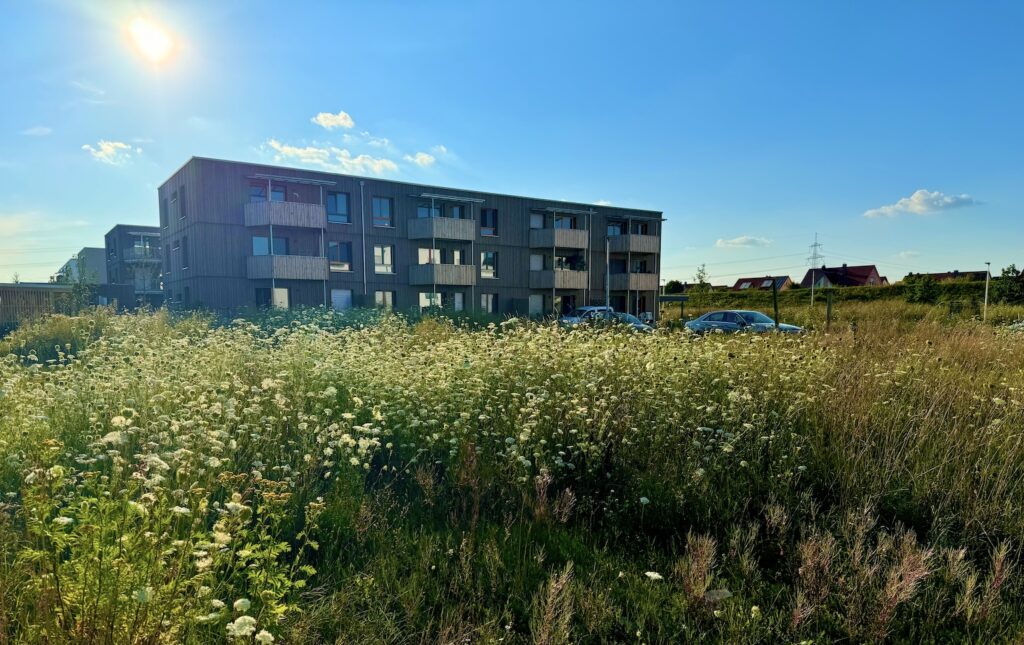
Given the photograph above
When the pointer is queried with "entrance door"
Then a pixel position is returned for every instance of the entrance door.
(341, 299)
(458, 301)
(536, 304)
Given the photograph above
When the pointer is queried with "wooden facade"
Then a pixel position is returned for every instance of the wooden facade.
(213, 214)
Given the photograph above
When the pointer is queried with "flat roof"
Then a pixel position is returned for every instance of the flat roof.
(653, 213)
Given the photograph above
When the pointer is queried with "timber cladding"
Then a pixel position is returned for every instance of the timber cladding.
(231, 232)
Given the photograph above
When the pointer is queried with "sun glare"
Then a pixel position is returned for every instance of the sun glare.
(151, 40)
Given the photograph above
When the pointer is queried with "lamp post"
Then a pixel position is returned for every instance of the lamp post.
(988, 273)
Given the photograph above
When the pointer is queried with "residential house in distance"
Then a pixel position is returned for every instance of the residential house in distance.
(844, 276)
(133, 258)
(88, 266)
(244, 235)
(968, 276)
(783, 282)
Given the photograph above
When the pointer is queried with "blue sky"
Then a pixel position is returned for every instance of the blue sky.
(893, 130)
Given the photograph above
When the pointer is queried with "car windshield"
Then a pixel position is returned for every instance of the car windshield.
(629, 319)
(755, 317)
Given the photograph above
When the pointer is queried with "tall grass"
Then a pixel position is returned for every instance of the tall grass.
(369, 478)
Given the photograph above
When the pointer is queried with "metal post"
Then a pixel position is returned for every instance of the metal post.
(323, 247)
(988, 274)
(270, 216)
(362, 226)
(472, 252)
(607, 271)
(433, 250)
(775, 301)
(554, 278)
(828, 311)
(812, 286)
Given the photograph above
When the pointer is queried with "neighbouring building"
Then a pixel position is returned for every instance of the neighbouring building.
(88, 266)
(844, 276)
(133, 258)
(765, 283)
(22, 301)
(242, 235)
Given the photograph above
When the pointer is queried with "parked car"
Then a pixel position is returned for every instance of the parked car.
(731, 321)
(585, 314)
(632, 321)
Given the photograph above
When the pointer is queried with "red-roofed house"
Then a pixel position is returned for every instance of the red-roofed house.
(763, 284)
(845, 276)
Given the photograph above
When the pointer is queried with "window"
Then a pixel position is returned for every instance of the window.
(181, 203)
(640, 266)
(536, 220)
(489, 221)
(163, 212)
(456, 256)
(383, 259)
(429, 256)
(745, 285)
(384, 299)
(339, 254)
(282, 298)
(382, 211)
(617, 265)
(261, 245)
(565, 221)
(278, 193)
(337, 208)
(341, 299)
(262, 297)
(489, 303)
(616, 229)
(489, 264)
(184, 252)
(570, 263)
(457, 301)
(427, 211)
(429, 299)
(257, 194)
(766, 284)
(457, 211)
(640, 228)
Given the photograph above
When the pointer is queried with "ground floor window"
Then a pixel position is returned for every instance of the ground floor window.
(456, 301)
(565, 304)
(384, 299)
(341, 299)
(489, 303)
(429, 299)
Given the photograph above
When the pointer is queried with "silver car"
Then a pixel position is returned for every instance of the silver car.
(735, 320)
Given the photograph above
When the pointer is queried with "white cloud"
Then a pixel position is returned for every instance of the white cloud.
(421, 159)
(111, 152)
(743, 242)
(439, 150)
(922, 202)
(376, 142)
(329, 121)
(908, 255)
(602, 202)
(37, 131)
(332, 159)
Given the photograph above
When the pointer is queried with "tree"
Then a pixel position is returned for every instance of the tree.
(700, 291)
(674, 286)
(922, 289)
(1008, 288)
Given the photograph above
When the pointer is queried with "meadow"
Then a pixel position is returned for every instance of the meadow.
(358, 478)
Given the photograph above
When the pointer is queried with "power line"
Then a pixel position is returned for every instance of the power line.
(715, 264)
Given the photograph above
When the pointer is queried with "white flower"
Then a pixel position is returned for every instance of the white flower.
(755, 612)
(264, 637)
(114, 438)
(242, 604)
(63, 520)
(645, 501)
(181, 510)
(213, 462)
(217, 604)
(241, 627)
(653, 575)
(143, 594)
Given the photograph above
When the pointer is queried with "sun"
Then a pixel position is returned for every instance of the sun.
(151, 41)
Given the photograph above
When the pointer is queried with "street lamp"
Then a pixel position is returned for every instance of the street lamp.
(988, 274)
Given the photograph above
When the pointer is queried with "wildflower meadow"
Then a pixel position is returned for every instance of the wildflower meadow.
(364, 477)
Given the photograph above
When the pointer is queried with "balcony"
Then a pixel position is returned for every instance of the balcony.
(141, 255)
(563, 238)
(442, 228)
(286, 267)
(558, 279)
(457, 275)
(635, 244)
(634, 282)
(296, 214)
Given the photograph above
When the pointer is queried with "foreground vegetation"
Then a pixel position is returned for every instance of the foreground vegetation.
(354, 479)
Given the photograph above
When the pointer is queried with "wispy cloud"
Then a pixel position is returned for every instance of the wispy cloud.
(602, 202)
(114, 153)
(88, 88)
(421, 159)
(908, 255)
(743, 242)
(329, 121)
(439, 150)
(333, 159)
(37, 131)
(922, 202)
(88, 94)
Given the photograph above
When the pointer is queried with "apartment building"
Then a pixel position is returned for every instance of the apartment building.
(133, 258)
(242, 235)
(88, 266)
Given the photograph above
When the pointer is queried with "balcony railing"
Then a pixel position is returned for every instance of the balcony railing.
(634, 282)
(558, 279)
(295, 214)
(133, 254)
(286, 267)
(442, 228)
(460, 275)
(635, 244)
(564, 238)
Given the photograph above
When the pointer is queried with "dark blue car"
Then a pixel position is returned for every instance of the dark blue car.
(732, 321)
